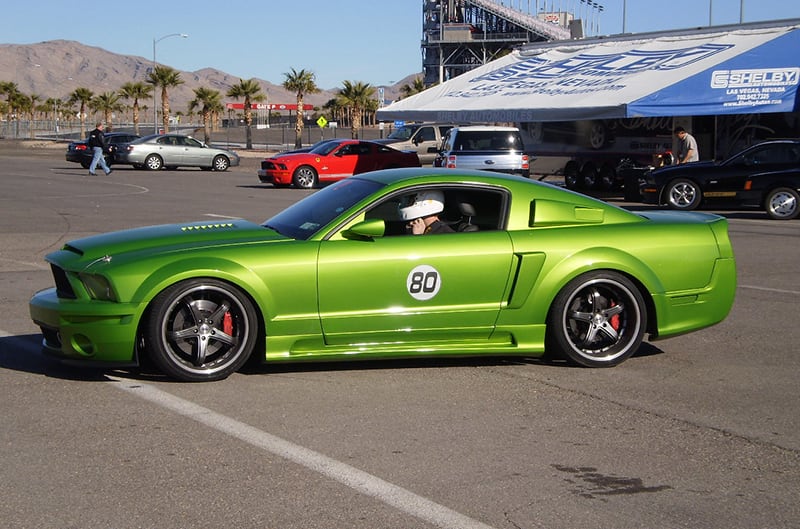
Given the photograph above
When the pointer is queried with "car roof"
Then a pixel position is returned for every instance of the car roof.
(486, 127)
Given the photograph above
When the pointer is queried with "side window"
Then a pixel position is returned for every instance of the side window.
(426, 134)
(466, 210)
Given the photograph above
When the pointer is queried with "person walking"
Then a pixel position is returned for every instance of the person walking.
(687, 146)
(97, 142)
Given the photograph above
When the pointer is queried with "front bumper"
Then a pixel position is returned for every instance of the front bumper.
(267, 176)
(649, 194)
(91, 332)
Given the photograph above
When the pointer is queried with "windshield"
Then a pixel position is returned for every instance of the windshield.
(303, 219)
(403, 133)
(325, 148)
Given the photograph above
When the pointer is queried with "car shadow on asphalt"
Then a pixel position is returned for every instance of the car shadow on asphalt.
(23, 353)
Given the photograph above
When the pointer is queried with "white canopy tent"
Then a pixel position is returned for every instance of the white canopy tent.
(723, 70)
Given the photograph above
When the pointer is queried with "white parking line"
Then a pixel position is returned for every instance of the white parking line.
(765, 289)
(367, 484)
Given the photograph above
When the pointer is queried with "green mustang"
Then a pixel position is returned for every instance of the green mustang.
(510, 267)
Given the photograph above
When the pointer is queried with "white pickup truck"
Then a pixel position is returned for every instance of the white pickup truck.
(424, 138)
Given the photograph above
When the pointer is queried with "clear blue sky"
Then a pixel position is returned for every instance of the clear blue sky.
(372, 41)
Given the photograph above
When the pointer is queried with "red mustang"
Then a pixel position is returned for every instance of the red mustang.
(332, 160)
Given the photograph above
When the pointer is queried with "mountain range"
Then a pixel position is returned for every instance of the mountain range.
(56, 68)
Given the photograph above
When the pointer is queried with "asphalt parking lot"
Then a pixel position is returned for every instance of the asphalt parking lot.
(700, 430)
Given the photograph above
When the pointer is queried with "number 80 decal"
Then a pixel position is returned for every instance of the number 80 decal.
(423, 282)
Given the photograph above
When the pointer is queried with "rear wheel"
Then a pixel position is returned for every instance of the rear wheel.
(304, 177)
(597, 320)
(607, 177)
(782, 203)
(589, 175)
(683, 194)
(200, 330)
(571, 175)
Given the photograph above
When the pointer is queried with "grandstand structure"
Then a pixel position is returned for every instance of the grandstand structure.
(460, 35)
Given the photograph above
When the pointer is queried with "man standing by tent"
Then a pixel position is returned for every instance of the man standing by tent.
(687, 146)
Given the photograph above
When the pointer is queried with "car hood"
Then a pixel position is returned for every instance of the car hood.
(165, 238)
(295, 156)
(688, 168)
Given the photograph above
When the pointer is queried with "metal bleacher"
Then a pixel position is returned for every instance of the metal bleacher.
(460, 35)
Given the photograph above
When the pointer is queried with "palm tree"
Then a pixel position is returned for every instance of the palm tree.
(9, 89)
(83, 96)
(206, 99)
(165, 77)
(300, 83)
(356, 97)
(107, 103)
(250, 91)
(136, 91)
(417, 86)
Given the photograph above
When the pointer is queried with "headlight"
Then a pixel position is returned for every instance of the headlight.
(97, 287)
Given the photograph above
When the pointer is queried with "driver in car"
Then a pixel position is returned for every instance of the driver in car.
(421, 212)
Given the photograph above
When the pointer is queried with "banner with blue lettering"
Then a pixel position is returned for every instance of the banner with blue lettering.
(693, 73)
(764, 79)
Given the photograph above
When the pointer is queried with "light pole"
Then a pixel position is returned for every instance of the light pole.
(155, 94)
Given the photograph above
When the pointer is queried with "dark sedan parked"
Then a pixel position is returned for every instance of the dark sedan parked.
(752, 177)
(79, 151)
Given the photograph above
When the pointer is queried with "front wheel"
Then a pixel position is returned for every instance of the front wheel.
(221, 163)
(153, 162)
(304, 177)
(683, 194)
(782, 203)
(597, 320)
(200, 330)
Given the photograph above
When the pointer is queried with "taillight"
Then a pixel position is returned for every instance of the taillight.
(81, 147)
(525, 163)
(451, 162)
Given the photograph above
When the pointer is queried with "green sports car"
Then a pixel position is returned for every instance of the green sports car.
(510, 267)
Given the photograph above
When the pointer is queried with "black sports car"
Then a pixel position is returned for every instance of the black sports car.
(79, 151)
(763, 175)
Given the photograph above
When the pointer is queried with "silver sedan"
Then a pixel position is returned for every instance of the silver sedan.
(159, 151)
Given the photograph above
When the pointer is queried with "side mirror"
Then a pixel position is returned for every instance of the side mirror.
(366, 230)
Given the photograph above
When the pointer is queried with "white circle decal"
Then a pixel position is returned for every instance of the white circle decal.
(423, 282)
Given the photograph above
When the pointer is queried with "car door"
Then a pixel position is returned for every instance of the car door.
(406, 288)
(170, 150)
(760, 159)
(341, 162)
(413, 288)
(424, 139)
(194, 154)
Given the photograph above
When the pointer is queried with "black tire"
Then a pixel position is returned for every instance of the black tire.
(572, 179)
(153, 162)
(201, 330)
(589, 176)
(597, 320)
(221, 163)
(682, 194)
(782, 203)
(304, 177)
(86, 164)
(607, 177)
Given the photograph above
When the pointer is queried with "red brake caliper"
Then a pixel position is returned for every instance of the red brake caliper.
(227, 324)
(614, 318)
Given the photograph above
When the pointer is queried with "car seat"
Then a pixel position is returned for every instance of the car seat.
(467, 212)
